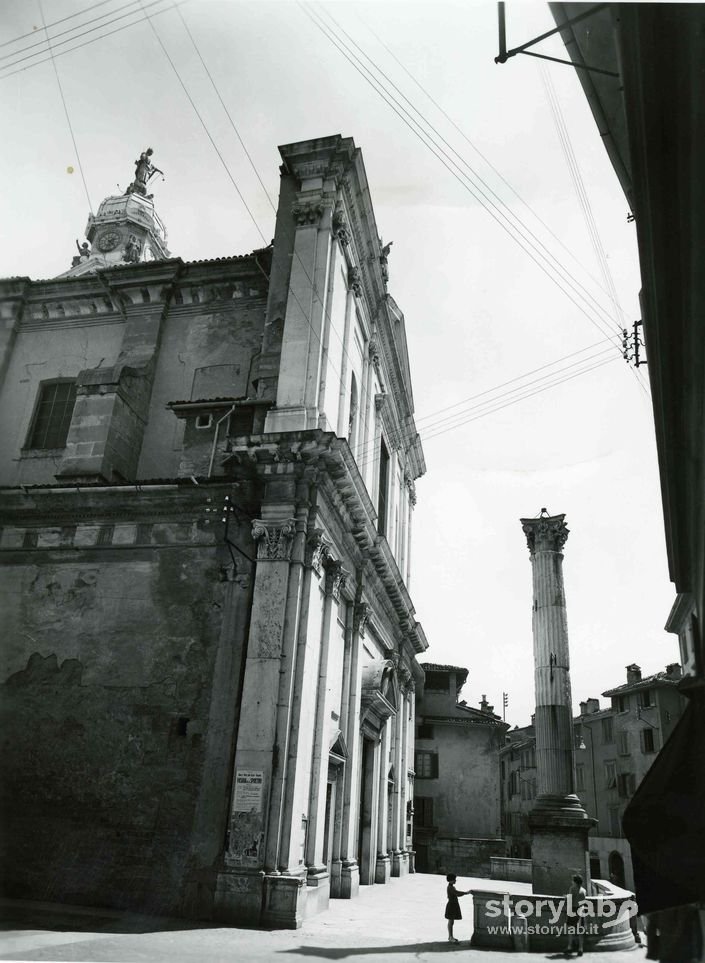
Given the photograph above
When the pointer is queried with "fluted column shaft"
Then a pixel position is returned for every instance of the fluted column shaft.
(555, 767)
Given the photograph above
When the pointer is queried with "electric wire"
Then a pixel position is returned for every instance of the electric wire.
(459, 418)
(584, 201)
(483, 157)
(77, 36)
(62, 33)
(62, 53)
(493, 209)
(203, 124)
(538, 391)
(580, 190)
(66, 112)
(55, 23)
(442, 424)
(550, 364)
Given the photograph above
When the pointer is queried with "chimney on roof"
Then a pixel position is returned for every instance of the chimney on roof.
(674, 671)
(592, 705)
(485, 706)
(583, 708)
(633, 674)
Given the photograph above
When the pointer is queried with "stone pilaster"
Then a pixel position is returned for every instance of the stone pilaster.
(558, 822)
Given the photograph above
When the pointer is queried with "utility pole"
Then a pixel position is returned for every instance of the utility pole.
(631, 344)
(505, 703)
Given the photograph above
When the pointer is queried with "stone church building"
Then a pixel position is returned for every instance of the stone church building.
(210, 650)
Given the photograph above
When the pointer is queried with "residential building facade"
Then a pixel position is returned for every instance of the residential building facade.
(456, 803)
(208, 478)
(615, 748)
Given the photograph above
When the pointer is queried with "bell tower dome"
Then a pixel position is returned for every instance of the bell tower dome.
(126, 229)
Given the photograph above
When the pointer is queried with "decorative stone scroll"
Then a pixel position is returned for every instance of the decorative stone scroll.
(307, 213)
(340, 225)
(355, 281)
(361, 617)
(274, 540)
(317, 551)
(336, 577)
(546, 533)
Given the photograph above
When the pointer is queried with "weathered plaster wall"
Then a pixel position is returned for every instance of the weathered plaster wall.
(207, 351)
(120, 675)
(43, 351)
(468, 772)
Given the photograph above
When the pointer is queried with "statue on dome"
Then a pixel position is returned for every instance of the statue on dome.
(144, 172)
(83, 252)
(133, 249)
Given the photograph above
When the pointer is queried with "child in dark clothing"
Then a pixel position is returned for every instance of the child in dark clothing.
(453, 906)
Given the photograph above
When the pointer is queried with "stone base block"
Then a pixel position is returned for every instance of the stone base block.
(383, 869)
(284, 905)
(336, 882)
(400, 863)
(238, 897)
(256, 899)
(557, 854)
(349, 879)
(318, 886)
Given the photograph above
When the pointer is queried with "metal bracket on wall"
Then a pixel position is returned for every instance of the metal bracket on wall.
(505, 54)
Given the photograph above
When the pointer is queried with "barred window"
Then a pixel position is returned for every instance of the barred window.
(52, 416)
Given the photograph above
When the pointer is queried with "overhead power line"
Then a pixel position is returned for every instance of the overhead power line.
(55, 23)
(62, 33)
(484, 157)
(109, 33)
(66, 112)
(517, 233)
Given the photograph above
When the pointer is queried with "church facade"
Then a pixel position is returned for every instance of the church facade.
(208, 481)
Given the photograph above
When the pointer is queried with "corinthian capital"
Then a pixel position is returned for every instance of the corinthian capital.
(547, 533)
(317, 551)
(360, 618)
(336, 577)
(307, 213)
(274, 540)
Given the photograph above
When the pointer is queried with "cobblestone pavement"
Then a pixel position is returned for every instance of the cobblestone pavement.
(402, 920)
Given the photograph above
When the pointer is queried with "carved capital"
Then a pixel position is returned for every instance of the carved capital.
(548, 533)
(355, 281)
(307, 213)
(336, 577)
(360, 618)
(340, 225)
(317, 551)
(274, 540)
(373, 352)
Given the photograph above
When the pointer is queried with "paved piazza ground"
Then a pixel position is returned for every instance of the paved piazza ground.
(400, 921)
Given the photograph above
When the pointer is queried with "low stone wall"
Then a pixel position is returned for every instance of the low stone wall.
(537, 923)
(464, 856)
(502, 867)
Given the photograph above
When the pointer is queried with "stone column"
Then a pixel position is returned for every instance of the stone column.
(558, 822)
(383, 869)
(350, 872)
(398, 791)
(317, 871)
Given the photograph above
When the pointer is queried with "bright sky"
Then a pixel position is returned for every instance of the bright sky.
(479, 311)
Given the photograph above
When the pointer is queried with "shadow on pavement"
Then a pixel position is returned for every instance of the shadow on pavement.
(68, 919)
(340, 953)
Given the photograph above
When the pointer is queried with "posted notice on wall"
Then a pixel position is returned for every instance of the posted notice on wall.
(248, 791)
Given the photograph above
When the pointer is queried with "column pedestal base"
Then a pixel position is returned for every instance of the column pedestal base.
(400, 863)
(559, 844)
(349, 879)
(383, 870)
(256, 899)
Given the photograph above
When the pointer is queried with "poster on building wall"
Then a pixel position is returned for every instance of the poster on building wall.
(248, 791)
